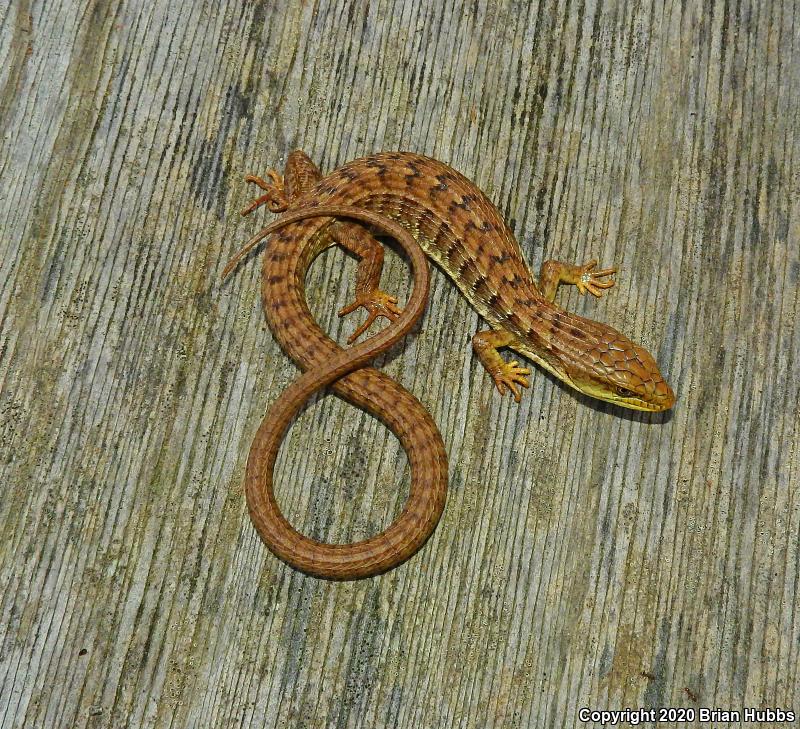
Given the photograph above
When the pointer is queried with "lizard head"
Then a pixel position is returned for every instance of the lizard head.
(614, 369)
(598, 361)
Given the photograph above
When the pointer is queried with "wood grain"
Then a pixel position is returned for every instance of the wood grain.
(586, 557)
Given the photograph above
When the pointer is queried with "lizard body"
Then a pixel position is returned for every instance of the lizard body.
(456, 226)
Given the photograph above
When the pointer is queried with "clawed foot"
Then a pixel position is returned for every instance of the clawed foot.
(377, 304)
(593, 281)
(510, 374)
(274, 197)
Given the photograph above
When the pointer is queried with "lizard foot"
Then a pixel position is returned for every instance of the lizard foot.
(510, 375)
(377, 304)
(594, 281)
(275, 196)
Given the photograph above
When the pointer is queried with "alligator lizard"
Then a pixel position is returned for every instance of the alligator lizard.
(442, 214)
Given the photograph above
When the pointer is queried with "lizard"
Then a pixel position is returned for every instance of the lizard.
(434, 211)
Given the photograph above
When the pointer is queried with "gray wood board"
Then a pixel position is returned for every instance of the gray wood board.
(586, 558)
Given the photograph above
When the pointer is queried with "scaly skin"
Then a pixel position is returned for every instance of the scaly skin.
(462, 231)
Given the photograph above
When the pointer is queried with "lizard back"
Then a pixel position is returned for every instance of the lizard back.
(456, 225)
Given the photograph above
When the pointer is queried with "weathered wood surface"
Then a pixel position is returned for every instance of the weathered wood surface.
(586, 557)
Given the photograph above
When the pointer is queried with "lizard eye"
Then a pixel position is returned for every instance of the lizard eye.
(624, 392)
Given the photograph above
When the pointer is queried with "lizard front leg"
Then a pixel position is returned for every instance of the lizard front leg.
(584, 277)
(505, 374)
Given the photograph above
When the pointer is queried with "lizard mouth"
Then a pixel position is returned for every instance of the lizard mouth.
(655, 396)
(658, 398)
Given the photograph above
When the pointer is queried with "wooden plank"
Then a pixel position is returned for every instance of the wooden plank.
(586, 558)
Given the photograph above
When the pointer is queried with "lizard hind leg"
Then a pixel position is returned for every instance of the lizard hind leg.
(274, 196)
(301, 174)
(360, 242)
